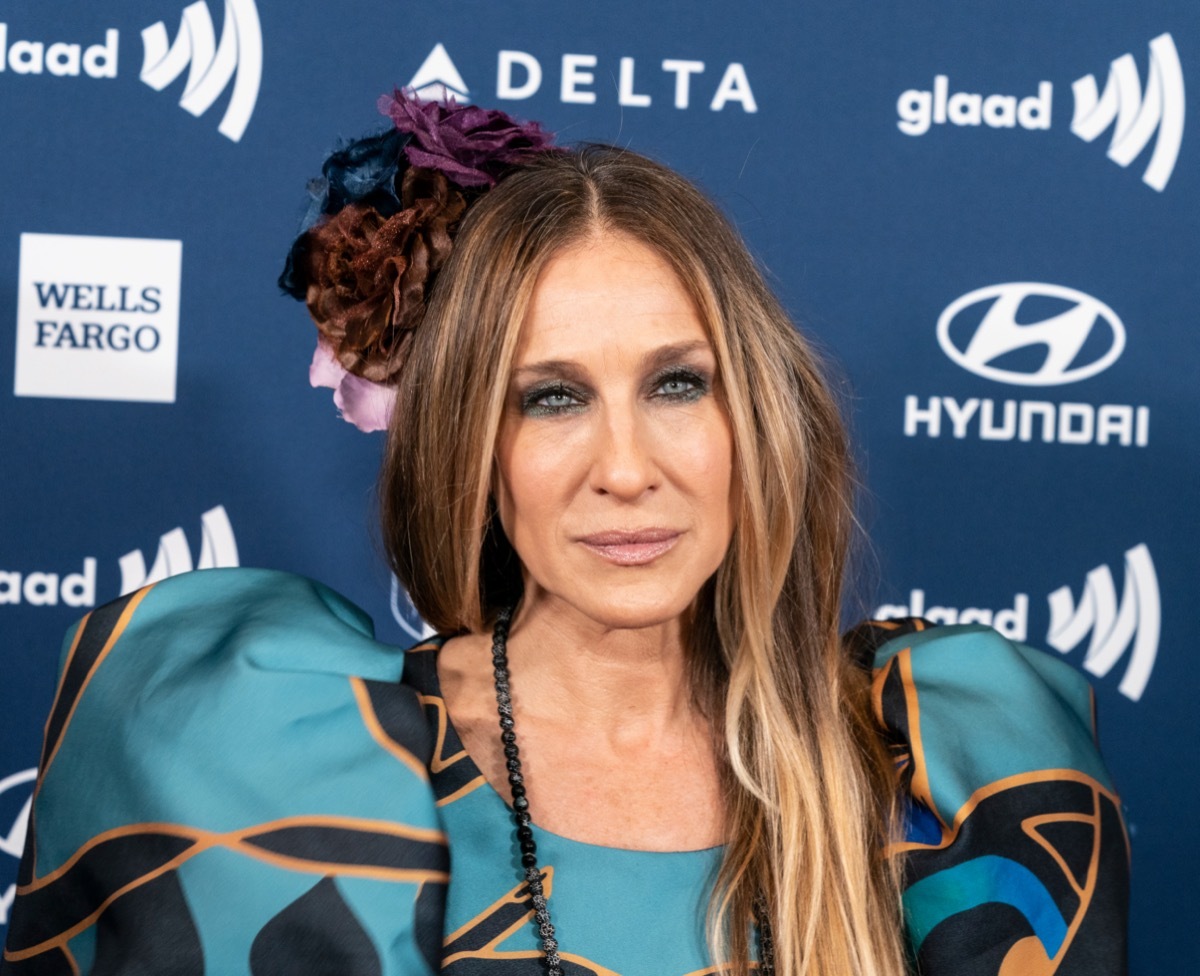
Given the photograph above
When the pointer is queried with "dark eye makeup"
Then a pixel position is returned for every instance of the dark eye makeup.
(551, 399)
(673, 384)
(681, 383)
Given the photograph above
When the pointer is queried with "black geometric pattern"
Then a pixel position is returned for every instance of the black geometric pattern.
(317, 935)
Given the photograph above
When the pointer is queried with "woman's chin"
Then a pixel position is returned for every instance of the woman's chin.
(626, 609)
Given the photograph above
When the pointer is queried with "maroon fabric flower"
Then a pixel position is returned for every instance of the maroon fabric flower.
(368, 275)
(472, 146)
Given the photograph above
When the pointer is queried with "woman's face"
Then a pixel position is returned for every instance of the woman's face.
(615, 456)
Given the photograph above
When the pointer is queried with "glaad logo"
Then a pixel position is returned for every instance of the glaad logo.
(98, 318)
(42, 589)
(519, 75)
(1030, 334)
(12, 842)
(1136, 118)
(1063, 335)
(918, 110)
(1135, 115)
(1130, 625)
(217, 548)
(60, 58)
(210, 66)
(1012, 622)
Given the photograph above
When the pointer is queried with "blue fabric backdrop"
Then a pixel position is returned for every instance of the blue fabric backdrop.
(986, 213)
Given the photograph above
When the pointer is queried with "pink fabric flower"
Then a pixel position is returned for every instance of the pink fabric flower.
(365, 404)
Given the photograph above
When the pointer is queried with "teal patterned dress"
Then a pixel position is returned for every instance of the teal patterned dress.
(237, 778)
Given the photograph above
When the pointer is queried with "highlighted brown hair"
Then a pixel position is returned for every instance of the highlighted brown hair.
(808, 791)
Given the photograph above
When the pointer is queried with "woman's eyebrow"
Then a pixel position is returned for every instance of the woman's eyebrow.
(654, 359)
(665, 355)
(550, 369)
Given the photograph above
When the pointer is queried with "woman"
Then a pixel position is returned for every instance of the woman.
(617, 486)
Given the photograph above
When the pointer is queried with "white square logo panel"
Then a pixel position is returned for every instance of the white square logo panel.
(98, 318)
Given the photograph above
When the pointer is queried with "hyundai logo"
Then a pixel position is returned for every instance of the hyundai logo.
(1063, 336)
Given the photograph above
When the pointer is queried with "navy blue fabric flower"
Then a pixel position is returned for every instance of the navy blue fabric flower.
(365, 171)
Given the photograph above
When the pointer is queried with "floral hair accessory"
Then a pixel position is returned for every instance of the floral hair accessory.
(472, 146)
(380, 224)
(365, 404)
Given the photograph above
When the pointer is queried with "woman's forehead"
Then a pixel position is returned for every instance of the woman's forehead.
(609, 290)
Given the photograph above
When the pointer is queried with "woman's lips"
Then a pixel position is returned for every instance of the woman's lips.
(631, 548)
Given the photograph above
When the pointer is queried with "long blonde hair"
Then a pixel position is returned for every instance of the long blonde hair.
(809, 798)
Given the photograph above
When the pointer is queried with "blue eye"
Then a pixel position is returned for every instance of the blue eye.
(550, 400)
(556, 400)
(681, 384)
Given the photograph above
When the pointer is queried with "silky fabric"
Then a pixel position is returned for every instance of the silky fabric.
(237, 778)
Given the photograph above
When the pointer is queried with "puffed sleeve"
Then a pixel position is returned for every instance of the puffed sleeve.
(1016, 856)
(232, 781)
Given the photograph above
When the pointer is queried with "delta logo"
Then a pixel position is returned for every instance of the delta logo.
(1136, 114)
(581, 78)
(233, 63)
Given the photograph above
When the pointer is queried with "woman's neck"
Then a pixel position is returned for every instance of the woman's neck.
(570, 668)
(613, 750)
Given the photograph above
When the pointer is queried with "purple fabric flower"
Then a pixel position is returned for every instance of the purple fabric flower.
(472, 146)
(365, 404)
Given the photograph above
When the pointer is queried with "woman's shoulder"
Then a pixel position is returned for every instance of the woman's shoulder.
(234, 657)
(1014, 843)
(967, 691)
(283, 620)
(231, 751)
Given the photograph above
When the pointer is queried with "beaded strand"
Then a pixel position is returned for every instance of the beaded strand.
(516, 782)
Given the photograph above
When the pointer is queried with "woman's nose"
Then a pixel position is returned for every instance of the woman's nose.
(623, 463)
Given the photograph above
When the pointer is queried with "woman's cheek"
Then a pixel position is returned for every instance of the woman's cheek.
(702, 446)
(536, 465)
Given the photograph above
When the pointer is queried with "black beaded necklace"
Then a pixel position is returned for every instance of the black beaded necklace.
(520, 804)
(512, 759)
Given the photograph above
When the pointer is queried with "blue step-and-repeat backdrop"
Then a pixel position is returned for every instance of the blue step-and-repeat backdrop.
(988, 214)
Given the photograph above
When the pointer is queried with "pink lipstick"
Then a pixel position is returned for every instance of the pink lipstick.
(631, 548)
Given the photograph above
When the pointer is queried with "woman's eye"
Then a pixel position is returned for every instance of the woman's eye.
(681, 385)
(675, 387)
(549, 401)
(556, 399)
